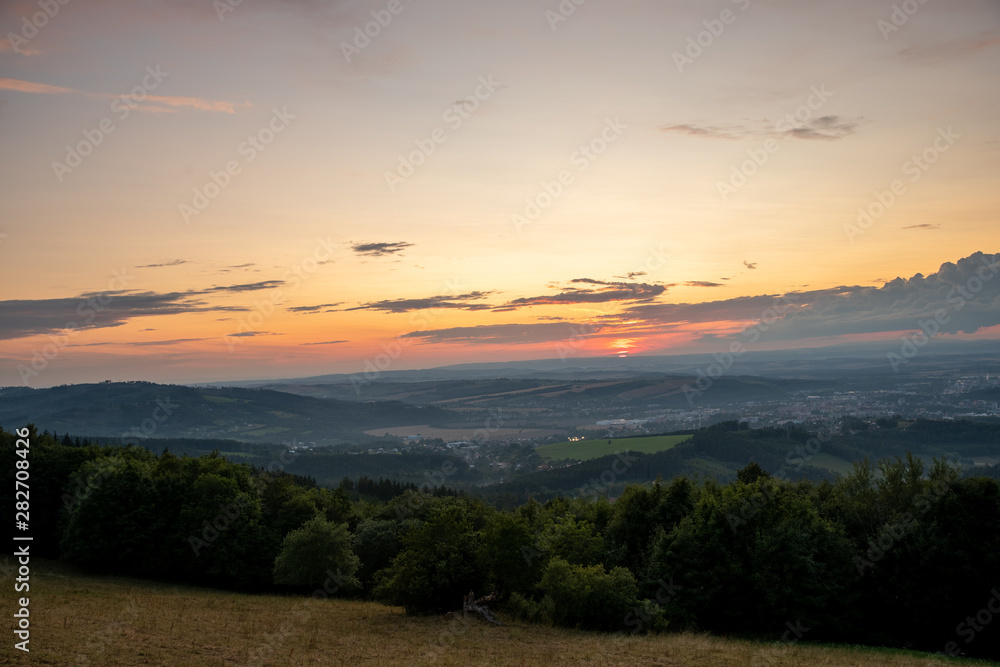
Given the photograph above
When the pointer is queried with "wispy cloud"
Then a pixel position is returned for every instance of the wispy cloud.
(150, 103)
(456, 301)
(328, 342)
(602, 292)
(5, 45)
(173, 262)
(827, 128)
(701, 283)
(380, 249)
(923, 226)
(315, 309)
(247, 287)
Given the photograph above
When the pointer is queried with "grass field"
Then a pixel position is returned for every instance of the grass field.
(85, 620)
(594, 448)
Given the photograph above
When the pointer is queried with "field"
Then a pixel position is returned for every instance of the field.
(458, 434)
(592, 449)
(82, 619)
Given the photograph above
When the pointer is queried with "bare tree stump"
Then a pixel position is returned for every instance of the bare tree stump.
(471, 604)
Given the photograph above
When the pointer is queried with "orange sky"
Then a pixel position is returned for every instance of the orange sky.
(191, 196)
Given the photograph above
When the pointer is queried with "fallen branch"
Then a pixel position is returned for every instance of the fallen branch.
(471, 604)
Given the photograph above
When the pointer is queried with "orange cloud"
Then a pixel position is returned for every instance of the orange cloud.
(168, 100)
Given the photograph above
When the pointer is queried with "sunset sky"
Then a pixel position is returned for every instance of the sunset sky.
(197, 191)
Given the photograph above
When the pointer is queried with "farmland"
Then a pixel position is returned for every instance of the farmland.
(591, 449)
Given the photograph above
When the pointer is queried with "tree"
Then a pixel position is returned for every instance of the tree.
(437, 566)
(315, 553)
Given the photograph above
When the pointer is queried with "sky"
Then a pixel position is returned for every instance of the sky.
(199, 190)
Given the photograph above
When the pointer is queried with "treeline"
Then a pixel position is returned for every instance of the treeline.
(897, 554)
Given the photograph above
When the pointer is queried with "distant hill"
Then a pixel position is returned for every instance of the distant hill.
(145, 409)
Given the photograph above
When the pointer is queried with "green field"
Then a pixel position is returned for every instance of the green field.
(593, 448)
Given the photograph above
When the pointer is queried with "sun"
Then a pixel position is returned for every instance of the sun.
(623, 346)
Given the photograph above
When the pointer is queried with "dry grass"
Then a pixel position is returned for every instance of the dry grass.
(85, 620)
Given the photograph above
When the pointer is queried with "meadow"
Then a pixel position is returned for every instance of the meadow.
(584, 450)
(79, 618)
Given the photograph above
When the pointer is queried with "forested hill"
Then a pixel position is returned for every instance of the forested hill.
(145, 409)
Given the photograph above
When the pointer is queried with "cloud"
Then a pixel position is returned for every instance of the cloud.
(314, 309)
(144, 343)
(406, 305)
(5, 45)
(173, 262)
(701, 283)
(328, 342)
(247, 287)
(706, 131)
(603, 292)
(927, 53)
(923, 226)
(380, 249)
(20, 318)
(253, 334)
(827, 128)
(749, 265)
(632, 275)
(968, 291)
(505, 334)
(150, 103)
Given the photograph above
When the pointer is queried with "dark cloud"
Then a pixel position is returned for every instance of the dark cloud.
(380, 249)
(923, 226)
(632, 275)
(826, 128)
(173, 262)
(456, 301)
(328, 342)
(247, 287)
(314, 309)
(701, 283)
(707, 131)
(969, 292)
(145, 343)
(252, 334)
(603, 292)
(95, 310)
(506, 334)
(749, 265)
